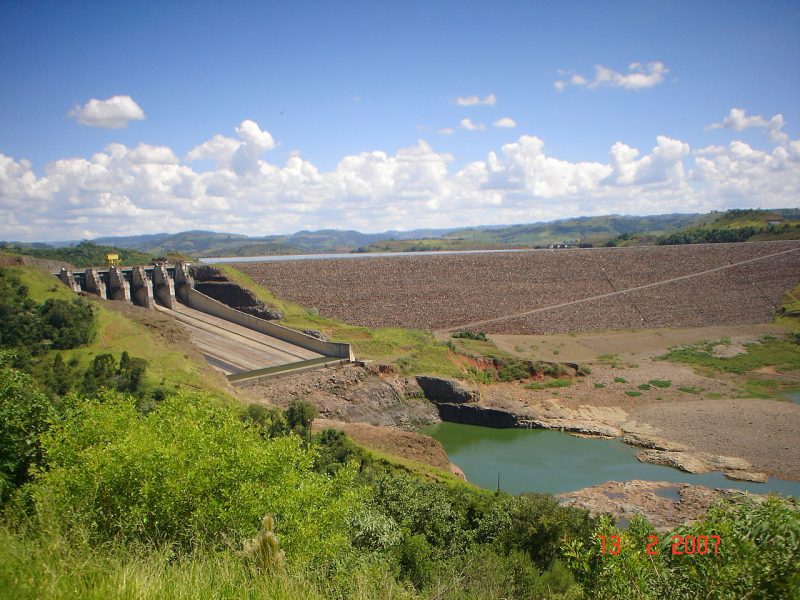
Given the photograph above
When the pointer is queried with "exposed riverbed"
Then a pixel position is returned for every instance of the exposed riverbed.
(528, 460)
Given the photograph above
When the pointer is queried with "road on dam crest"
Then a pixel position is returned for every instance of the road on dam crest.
(233, 348)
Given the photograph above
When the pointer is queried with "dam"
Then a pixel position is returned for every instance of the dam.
(243, 346)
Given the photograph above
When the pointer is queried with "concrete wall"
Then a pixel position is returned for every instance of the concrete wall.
(118, 286)
(183, 282)
(164, 287)
(142, 288)
(94, 284)
(69, 280)
(200, 301)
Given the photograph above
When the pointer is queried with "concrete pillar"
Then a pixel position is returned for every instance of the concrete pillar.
(118, 286)
(94, 284)
(183, 281)
(142, 288)
(164, 286)
(69, 280)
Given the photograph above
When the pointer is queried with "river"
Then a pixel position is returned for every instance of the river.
(537, 460)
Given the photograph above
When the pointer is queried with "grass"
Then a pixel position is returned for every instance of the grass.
(620, 380)
(660, 383)
(599, 386)
(782, 354)
(633, 393)
(551, 383)
(762, 388)
(644, 386)
(690, 389)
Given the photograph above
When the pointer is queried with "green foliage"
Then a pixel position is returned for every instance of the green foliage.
(264, 550)
(299, 417)
(38, 327)
(644, 386)
(690, 389)
(757, 558)
(633, 393)
(783, 354)
(660, 383)
(25, 413)
(188, 474)
(551, 383)
(599, 385)
(106, 373)
(481, 337)
(270, 421)
(620, 380)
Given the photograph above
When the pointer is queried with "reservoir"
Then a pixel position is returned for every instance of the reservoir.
(537, 460)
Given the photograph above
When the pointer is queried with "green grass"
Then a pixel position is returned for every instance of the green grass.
(762, 388)
(633, 393)
(660, 383)
(620, 380)
(551, 383)
(783, 354)
(644, 386)
(599, 386)
(690, 389)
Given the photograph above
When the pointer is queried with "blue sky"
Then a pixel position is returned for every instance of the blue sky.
(353, 118)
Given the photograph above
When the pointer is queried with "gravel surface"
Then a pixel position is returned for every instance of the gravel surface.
(443, 291)
(764, 432)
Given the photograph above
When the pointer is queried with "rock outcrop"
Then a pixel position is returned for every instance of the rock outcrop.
(441, 389)
(212, 283)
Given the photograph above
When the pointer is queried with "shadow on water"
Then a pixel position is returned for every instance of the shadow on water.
(535, 460)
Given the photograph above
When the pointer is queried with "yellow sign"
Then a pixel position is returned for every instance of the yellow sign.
(112, 260)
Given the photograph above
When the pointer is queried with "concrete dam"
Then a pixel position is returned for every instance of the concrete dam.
(243, 346)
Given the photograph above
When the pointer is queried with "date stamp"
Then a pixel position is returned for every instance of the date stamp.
(681, 544)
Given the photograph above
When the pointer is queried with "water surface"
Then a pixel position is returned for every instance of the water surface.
(536, 460)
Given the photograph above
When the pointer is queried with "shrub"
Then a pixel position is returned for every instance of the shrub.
(620, 380)
(599, 385)
(553, 383)
(660, 383)
(644, 386)
(468, 335)
(187, 474)
(633, 393)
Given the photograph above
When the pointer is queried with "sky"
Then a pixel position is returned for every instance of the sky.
(126, 118)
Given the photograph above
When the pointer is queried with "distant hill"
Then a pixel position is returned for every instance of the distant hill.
(612, 230)
(85, 254)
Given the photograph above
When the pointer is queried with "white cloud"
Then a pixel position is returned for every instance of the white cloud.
(737, 120)
(123, 190)
(469, 125)
(446, 131)
(114, 113)
(639, 76)
(489, 100)
(505, 123)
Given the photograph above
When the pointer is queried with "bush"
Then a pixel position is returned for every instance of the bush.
(468, 335)
(188, 474)
(620, 380)
(660, 383)
(633, 393)
(553, 383)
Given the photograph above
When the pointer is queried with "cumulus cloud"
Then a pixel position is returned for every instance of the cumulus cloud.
(505, 123)
(489, 100)
(446, 131)
(639, 76)
(737, 120)
(113, 113)
(126, 190)
(469, 125)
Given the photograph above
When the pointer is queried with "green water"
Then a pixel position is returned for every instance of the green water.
(793, 396)
(535, 460)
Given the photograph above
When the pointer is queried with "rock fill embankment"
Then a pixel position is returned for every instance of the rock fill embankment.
(214, 284)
